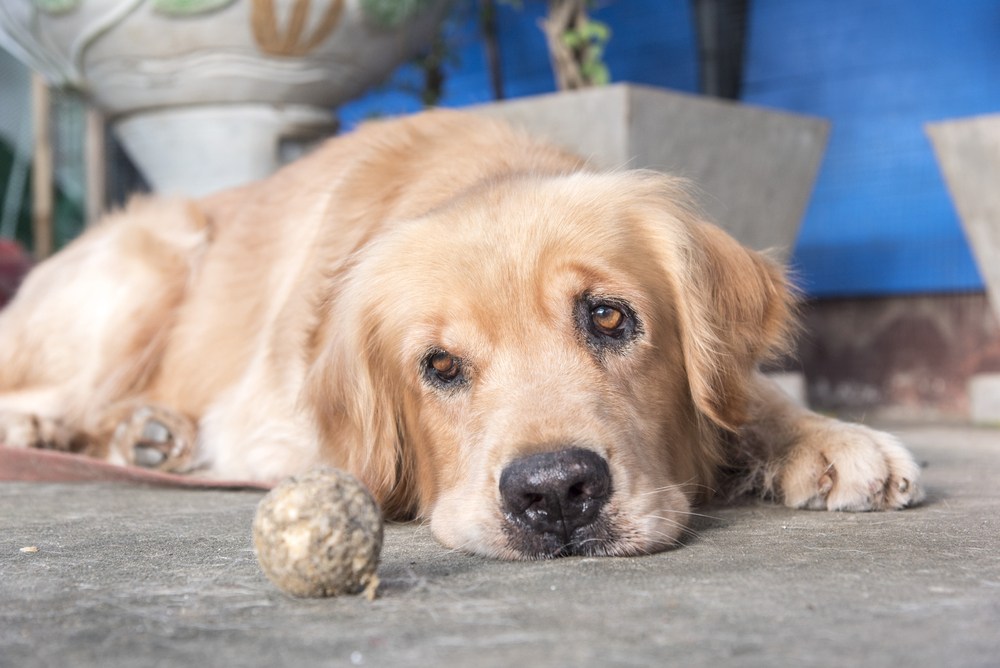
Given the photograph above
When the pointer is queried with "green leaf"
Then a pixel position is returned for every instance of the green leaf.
(598, 74)
(597, 31)
(573, 39)
(390, 14)
(188, 7)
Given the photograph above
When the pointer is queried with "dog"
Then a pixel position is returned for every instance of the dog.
(539, 358)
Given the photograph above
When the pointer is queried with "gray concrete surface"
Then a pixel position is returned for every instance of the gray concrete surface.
(140, 576)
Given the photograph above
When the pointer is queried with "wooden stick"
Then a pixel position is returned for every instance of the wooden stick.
(42, 168)
(95, 163)
(491, 46)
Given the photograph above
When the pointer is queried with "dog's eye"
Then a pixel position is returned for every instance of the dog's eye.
(608, 324)
(608, 320)
(443, 367)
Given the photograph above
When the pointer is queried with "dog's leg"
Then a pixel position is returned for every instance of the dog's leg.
(808, 460)
(27, 430)
(30, 419)
(129, 433)
(88, 327)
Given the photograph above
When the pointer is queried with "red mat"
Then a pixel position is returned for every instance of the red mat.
(49, 466)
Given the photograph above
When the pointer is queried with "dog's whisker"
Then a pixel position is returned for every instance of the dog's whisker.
(683, 528)
(689, 513)
(669, 522)
(683, 486)
(673, 540)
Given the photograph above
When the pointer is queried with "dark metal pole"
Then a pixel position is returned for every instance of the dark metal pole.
(491, 44)
(721, 27)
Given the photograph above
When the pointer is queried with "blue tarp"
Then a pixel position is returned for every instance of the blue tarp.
(880, 221)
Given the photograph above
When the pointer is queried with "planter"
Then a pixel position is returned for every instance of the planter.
(278, 65)
(200, 149)
(968, 154)
(756, 167)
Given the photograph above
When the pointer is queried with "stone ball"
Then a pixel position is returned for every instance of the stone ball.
(319, 534)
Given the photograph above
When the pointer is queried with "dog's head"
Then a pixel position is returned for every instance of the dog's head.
(542, 366)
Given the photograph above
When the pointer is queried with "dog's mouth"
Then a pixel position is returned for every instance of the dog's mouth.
(597, 539)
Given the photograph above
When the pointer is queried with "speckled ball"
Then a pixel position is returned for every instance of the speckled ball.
(319, 534)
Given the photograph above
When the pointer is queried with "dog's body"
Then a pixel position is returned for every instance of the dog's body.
(540, 359)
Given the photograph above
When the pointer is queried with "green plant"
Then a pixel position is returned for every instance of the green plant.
(586, 40)
(576, 43)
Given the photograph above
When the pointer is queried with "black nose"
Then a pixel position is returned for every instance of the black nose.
(555, 493)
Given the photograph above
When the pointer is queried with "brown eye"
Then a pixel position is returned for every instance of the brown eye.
(443, 367)
(608, 324)
(607, 320)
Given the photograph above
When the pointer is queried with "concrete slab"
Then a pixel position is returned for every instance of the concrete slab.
(756, 167)
(141, 576)
(984, 398)
(792, 383)
(968, 153)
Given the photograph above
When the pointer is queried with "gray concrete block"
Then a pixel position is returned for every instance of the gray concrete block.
(754, 167)
(968, 153)
(792, 383)
(984, 398)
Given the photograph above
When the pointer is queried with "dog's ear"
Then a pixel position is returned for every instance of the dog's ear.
(357, 411)
(735, 308)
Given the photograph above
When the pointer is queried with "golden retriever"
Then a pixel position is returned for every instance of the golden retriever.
(538, 358)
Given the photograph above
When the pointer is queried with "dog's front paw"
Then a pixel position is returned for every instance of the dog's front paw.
(841, 466)
(19, 430)
(25, 430)
(154, 437)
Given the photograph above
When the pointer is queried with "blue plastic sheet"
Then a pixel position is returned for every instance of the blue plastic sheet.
(880, 221)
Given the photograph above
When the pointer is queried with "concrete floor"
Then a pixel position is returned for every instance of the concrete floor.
(141, 576)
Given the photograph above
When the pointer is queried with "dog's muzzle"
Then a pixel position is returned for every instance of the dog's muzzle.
(552, 503)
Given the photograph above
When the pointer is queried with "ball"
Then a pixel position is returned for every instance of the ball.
(319, 534)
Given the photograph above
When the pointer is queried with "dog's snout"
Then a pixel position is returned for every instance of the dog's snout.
(555, 493)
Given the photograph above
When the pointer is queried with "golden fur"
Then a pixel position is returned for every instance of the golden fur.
(289, 322)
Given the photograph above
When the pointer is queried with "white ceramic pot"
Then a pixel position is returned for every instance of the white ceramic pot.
(136, 57)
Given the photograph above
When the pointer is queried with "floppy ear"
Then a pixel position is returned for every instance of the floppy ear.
(735, 309)
(357, 411)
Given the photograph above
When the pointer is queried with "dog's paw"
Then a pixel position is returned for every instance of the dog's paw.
(155, 438)
(19, 430)
(842, 466)
(25, 430)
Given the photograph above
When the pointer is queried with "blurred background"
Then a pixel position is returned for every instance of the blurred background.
(898, 325)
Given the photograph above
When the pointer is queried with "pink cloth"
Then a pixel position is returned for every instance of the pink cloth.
(14, 264)
(49, 466)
